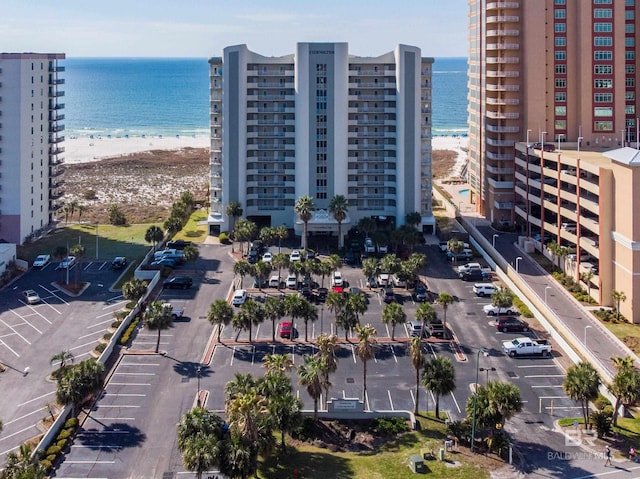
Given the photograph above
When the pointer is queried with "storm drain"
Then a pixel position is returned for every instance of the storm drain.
(471, 314)
(168, 475)
(184, 380)
(350, 380)
(511, 374)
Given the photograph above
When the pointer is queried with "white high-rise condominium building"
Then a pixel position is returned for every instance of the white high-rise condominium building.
(30, 143)
(321, 122)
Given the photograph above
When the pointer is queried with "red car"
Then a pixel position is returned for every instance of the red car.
(285, 329)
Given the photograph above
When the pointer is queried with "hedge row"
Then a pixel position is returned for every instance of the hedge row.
(59, 444)
(124, 339)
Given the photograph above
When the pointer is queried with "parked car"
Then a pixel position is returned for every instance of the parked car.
(473, 275)
(484, 289)
(349, 258)
(372, 282)
(309, 255)
(239, 297)
(415, 328)
(336, 280)
(179, 244)
(267, 257)
(119, 262)
(260, 284)
(469, 266)
(41, 260)
(388, 295)
(526, 346)
(164, 262)
(321, 295)
(435, 329)
(420, 294)
(295, 256)
(493, 310)
(397, 282)
(285, 330)
(368, 246)
(178, 282)
(66, 263)
(383, 280)
(253, 257)
(274, 281)
(292, 281)
(30, 296)
(543, 146)
(511, 325)
(166, 251)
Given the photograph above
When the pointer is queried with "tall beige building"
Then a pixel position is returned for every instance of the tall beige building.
(548, 71)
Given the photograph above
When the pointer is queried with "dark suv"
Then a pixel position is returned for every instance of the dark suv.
(180, 282)
(473, 275)
(544, 147)
(119, 262)
(179, 244)
(514, 325)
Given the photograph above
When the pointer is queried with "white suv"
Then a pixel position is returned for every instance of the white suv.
(337, 279)
(484, 289)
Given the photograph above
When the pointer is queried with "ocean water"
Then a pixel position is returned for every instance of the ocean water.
(170, 96)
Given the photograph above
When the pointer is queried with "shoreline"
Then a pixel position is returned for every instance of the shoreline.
(80, 149)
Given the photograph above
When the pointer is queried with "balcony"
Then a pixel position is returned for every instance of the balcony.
(502, 116)
(503, 46)
(56, 139)
(499, 157)
(503, 87)
(503, 101)
(55, 68)
(503, 33)
(503, 74)
(56, 106)
(502, 205)
(500, 171)
(500, 5)
(506, 143)
(56, 128)
(500, 185)
(503, 19)
(503, 129)
(55, 93)
(502, 60)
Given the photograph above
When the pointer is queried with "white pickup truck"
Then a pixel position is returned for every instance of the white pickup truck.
(526, 346)
(493, 310)
(176, 311)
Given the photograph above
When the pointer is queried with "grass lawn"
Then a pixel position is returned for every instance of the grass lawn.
(112, 241)
(627, 332)
(192, 231)
(390, 460)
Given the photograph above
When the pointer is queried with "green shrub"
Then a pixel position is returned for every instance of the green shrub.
(61, 444)
(602, 422)
(71, 422)
(116, 324)
(305, 430)
(523, 308)
(53, 450)
(601, 402)
(64, 434)
(100, 347)
(107, 336)
(126, 336)
(120, 315)
(51, 458)
(47, 464)
(385, 426)
(224, 238)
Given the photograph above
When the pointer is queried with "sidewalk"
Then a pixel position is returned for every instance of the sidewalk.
(596, 341)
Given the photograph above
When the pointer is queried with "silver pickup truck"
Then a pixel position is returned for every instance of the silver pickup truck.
(526, 346)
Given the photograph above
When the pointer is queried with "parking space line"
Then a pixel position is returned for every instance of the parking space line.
(36, 399)
(17, 333)
(390, 400)
(111, 302)
(538, 366)
(353, 353)
(125, 395)
(83, 345)
(130, 384)
(91, 334)
(134, 374)
(25, 415)
(93, 462)
(456, 403)
(4, 437)
(9, 348)
(393, 352)
(545, 376)
(555, 386)
(233, 355)
(108, 314)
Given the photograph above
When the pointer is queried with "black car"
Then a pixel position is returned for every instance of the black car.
(321, 295)
(388, 295)
(543, 146)
(119, 262)
(511, 325)
(473, 275)
(253, 256)
(179, 244)
(420, 294)
(179, 282)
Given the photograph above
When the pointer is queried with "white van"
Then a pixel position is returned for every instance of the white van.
(484, 289)
(383, 280)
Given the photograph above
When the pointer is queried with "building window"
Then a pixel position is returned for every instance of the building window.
(561, 83)
(602, 41)
(561, 111)
(629, 68)
(630, 110)
(629, 3)
(629, 15)
(561, 96)
(560, 27)
(629, 55)
(603, 83)
(629, 41)
(603, 97)
(561, 55)
(603, 126)
(630, 82)
(603, 27)
(631, 122)
(630, 96)
(602, 13)
(560, 124)
(560, 2)
(602, 2)
(600, 111)
(561, 69)
(629, 28)
(560, 13)
(561, 41)
(603, 69)
(602, 55)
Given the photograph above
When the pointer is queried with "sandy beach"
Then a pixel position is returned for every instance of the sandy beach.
(85, 149)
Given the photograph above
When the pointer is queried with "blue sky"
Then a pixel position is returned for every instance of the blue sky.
(202, 28)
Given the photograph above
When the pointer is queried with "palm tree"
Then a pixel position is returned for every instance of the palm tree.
(200, 437)
(253, 314)
(234, 210)
(277, 363)
(134, 289)
(417, 359)
(77, 251)
(310, 375)
(439, 377)
(295, 306)
(413, 219)
(220, 314)
(23, 465)
(444, 300)
(157, 317)
(586, 277)
(173, 225)
(80, 382)
(154, 235)
(191, 253)
(502, 298)
(505, 399)
(455, 246)
(304, 208)
(390, 264)
(365, 351)
(357, 305)
(273, 310)
(426, 313)
(63, 357)
(338, 207)
(245, 230)
(326, 354)
(370, 267)
(394, 314)
(281, 233)
(309, 313)
(284, 407)
(242, 383)
(581, 384)
(617, 297)
(367, 225)
(242, 268)
(625, 385)
(261, 269)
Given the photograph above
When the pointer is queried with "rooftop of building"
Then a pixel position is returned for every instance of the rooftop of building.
(596, 156)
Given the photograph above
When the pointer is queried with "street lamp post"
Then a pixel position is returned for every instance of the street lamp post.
(487, 371)
(546, 288)
(518, 264)
(493, 242)
(96, 241)
(198, 374)
(585, 334)
(579, 141)
(528, 131)
(542, 133)
(560, 137)
(475, 397)
(322, 319)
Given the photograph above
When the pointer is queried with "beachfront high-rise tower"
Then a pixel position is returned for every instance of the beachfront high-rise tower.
(31, 115)
(321, 122)
(546, 71)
